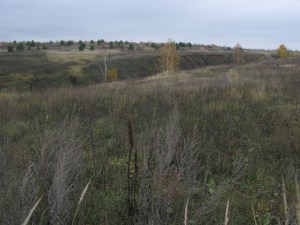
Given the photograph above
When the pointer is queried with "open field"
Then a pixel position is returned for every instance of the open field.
(147, 145)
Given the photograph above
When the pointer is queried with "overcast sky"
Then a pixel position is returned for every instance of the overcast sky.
(252, 23)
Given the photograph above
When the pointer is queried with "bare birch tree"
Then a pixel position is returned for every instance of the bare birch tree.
(104, 65)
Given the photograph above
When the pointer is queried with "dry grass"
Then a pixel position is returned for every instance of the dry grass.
(226, 221)
(32, 211)
(285, 204)
(297, 203)
(80, 200)
(186, 212)
(199, 134)
(79, 57)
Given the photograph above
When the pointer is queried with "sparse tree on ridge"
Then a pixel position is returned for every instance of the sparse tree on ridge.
(169, 57)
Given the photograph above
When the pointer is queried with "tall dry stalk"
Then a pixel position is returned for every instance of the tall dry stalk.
(32, 211)
(227, 213)
(186, 212)
(67, 172)
(253, 213)
(132, 179)
(80, 200)
(286, 213)
(298, 203)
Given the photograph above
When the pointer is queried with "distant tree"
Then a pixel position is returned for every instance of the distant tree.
(120, 43)
(169, 57)
(92, 41)
(92, 47)
(51, 42)
(238, 54)
(182, 44)
(282, 51)
(131, 47)
(70, 42)
(15, 42)
(62, 42)
(112, 75)
(189, 44)
(80, 42)
(20, 46)
(111, 45)
(10, 48)
(81, 47)
(99, 42)
(31, 43)
(45, 47)
(154, 45)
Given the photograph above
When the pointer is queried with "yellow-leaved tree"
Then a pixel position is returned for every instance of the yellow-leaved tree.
(238, 54)
(169, 57)
(282, 51)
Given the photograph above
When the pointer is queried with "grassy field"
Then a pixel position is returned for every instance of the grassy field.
(148, 145)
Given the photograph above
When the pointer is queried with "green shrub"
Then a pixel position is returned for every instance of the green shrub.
(130, 47)
(82, 47)
(111, 45)
(20, 46)
(10, 48)
(70, 42)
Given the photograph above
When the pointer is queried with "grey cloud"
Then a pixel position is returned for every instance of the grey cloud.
(256, 24)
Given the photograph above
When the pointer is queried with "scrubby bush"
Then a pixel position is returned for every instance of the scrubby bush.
(31, 43)
(111, 45)
(112, 75)
(10, 48)
(99, 42)
(20, 46)
(70, 42)
(81, 47)
(131, 47)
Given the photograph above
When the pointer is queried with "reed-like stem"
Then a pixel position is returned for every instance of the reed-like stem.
(80, 200)
(286, 213)
(227, 213)
(31, 211)
(298, 203)
(186, 212)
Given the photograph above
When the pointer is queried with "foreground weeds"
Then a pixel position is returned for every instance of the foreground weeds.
(206, 143)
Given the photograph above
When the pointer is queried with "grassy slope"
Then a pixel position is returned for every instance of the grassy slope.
(57, 67)
(246, 127)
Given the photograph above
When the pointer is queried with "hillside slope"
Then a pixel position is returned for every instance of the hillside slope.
(38, 69)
